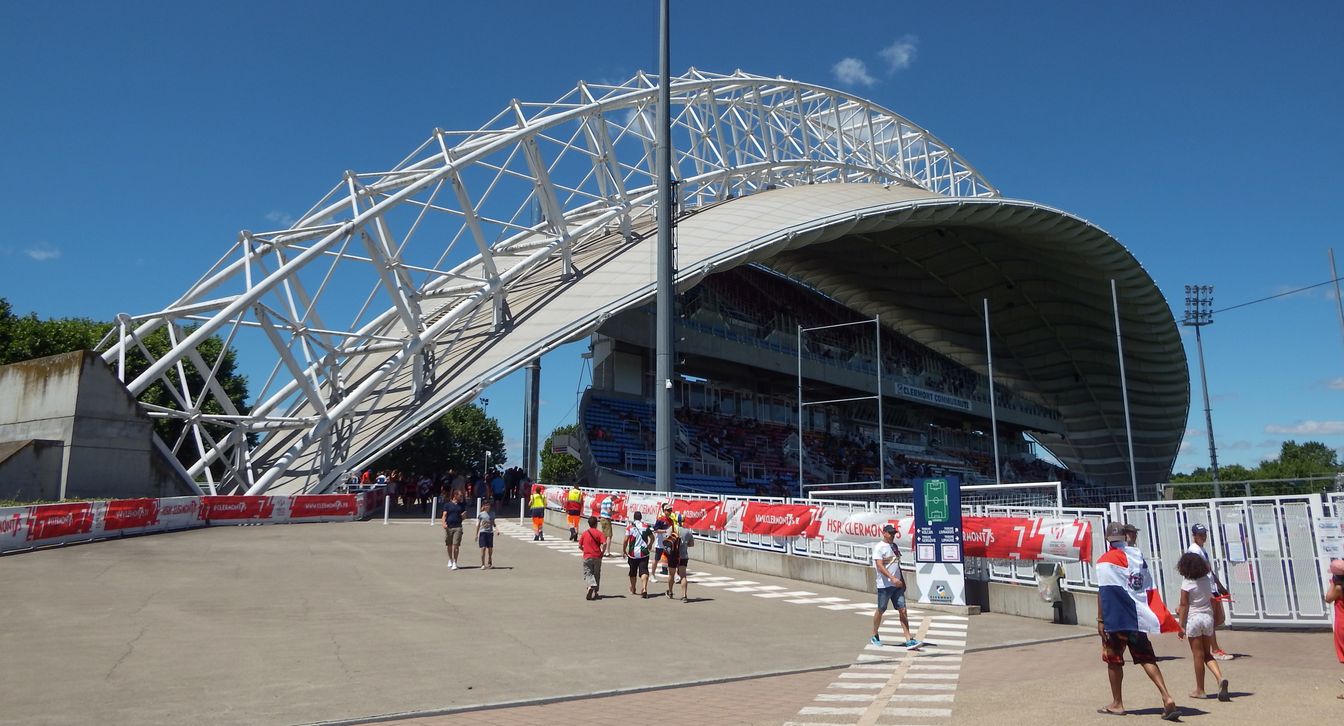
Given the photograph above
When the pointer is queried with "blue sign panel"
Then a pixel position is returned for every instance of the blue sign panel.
(938, 520)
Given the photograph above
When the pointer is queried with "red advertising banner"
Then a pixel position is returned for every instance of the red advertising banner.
(216, 507)
(781, 520)
(130, 514)
(1023, 538)
(701, 514)
(323, 505)
(593, 505)
(50, 521)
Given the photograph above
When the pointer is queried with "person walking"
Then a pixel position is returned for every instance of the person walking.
(452, 527)
(638, 536)
(604, 511)
(485, 535)
(536, 508)
(1199, 536)
(591, 544)
(574, 509)
(676, 547)
(1195, 616)
(890, 587)
(1334, 593)
(1126, 615)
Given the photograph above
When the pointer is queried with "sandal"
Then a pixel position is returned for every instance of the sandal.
(1109, 712)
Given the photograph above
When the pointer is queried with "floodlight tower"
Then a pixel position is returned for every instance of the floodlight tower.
(1198, 313)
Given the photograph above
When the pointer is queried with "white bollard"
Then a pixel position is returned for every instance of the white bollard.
(433, 510)
(387, 502)
(522, 511)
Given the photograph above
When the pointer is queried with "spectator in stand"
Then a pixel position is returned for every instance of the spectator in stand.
(591, 544)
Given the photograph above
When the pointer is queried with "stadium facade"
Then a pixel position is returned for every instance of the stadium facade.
(407, 291)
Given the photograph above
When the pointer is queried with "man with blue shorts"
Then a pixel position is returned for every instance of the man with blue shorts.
(890, 586)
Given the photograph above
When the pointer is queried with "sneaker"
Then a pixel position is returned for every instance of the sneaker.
(875, 640)
(911, 644)
(454, 566)
(1222, 655)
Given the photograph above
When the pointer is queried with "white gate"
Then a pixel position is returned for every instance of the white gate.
(1263, 548)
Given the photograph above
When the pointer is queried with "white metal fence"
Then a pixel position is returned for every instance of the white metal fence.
(1263, 548)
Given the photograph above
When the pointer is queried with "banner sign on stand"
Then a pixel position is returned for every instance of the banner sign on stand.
(938, 541)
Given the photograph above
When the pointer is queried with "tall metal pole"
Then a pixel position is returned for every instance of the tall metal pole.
(993, 409)
(881, 428)
(532, 401)
(800, 411)
(1199, 312)
(1124, 393)
(663, 162)
(1208, 414)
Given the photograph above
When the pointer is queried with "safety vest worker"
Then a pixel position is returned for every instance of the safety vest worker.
(536, 505)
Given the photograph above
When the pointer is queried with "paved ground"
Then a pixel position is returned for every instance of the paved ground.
(360, 621)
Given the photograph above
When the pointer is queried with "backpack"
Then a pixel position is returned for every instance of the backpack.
(687, 538)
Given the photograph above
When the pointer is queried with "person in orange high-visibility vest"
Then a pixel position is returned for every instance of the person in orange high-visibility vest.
(574, 508)
(536, 507)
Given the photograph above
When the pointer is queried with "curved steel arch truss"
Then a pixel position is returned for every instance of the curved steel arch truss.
(360, 303)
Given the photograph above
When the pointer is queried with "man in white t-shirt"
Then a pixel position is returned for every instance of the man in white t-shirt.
(890, 586)
(1199, 535)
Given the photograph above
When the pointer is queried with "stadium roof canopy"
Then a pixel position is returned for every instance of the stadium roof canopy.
(406, 292)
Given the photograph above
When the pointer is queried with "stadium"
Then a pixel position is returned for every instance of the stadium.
(828, 251)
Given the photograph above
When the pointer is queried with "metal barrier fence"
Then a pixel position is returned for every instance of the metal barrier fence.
(1077, 576)
(1263, 548)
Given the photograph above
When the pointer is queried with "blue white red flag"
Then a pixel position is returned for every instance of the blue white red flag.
(1129, 602)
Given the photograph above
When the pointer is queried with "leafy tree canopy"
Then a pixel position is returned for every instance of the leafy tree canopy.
(559, 468)
(457, 440)
(27, 337)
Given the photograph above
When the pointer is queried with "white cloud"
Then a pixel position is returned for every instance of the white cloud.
(1335, 384)
(1237, 445)
(852, 72)
(900, 54)
(1192, 431)
(1186, 447)
(1308, 428)
(43, 251)
(284, 219)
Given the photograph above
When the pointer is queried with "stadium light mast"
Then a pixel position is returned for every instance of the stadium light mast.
(663, 165)
(1198, 313)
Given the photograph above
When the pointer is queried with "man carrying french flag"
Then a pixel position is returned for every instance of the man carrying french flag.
(1128, 609)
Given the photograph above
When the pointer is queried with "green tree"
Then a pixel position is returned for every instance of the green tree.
(1296, 461)
(559, 468)
(27, 337)
(457, 440)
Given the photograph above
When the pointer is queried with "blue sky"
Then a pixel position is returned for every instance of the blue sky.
(138, 138)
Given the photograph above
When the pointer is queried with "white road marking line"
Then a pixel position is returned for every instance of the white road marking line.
(855, 686)
(918, 712)
(850, 697)
(795, 593)
(938, 676)
(924, 698)
(830, 711)
(748, 588)
(928, 686)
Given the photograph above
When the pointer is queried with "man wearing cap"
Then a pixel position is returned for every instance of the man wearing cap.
(1126, 614)
(1199, 535)
(890, 586)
